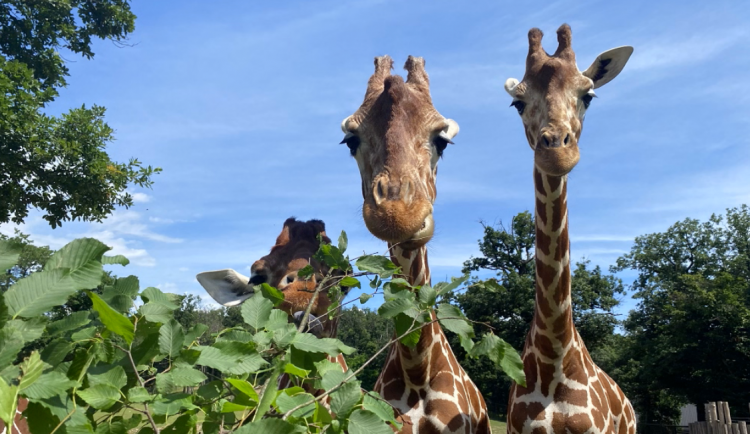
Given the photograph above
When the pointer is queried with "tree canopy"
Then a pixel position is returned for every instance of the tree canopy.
(690, 334)
(58, 165)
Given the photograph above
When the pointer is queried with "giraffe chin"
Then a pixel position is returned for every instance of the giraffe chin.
(397, 223)
(556, 161)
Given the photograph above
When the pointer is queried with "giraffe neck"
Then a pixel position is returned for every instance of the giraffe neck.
(553, 321)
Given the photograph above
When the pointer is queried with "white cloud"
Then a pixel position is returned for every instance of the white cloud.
(141, 197)
(661, 52)
(130, 223)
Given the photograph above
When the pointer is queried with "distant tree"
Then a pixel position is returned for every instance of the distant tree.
(690, 335)
(57, 164)
(32, 259)
(366, 331)
(506, 303)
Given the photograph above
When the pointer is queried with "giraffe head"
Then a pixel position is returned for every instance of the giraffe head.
(294, 250)
(554, 95)
(396, 136)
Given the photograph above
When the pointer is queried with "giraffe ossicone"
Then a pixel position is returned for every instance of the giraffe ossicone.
(397, 137)
(565, 390)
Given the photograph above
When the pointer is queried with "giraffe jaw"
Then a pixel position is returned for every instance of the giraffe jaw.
(422, 236)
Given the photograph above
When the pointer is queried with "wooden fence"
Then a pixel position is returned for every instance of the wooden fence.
(718, 421)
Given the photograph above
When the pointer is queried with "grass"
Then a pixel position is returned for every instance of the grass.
(497, 426)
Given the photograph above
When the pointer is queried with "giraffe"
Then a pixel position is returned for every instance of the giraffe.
(565, 390)
(396, 136)
(294, 249)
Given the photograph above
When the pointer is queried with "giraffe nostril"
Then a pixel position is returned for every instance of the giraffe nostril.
(567, 137)
(257, 279)
(545, 140)
(290, 279)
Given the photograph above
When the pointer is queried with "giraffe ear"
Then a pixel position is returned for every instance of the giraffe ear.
(227, 287)
(510, 86)
(608, 65)
(451, 128)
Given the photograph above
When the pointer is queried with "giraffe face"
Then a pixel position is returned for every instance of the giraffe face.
(397, 138)
(554, 95)
(293, 251)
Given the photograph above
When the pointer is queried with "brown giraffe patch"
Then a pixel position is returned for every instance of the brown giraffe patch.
(530, 369)
(558, 423)
(546, 375)
(578, 423)
(572, 368)
(446, 411)
(544, 344)
(539, 430)
(541, 211)
(598, 419)
(572, 396)
(546, 272)
(442, 382)
(545, 240)
(413, 399)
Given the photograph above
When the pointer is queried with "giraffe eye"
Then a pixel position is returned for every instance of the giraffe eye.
(352, 142)
(519, 105)
(586, 99)
(440, 142)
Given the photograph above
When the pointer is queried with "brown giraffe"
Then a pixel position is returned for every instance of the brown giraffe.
(565, 391)
(294, 249)
(397, 137)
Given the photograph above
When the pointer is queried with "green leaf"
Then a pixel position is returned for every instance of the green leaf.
(9, 253)
(139, 394)
(100, 396)
(374, 403)
(171, 339)
(345, 398)
(286, 403)
(39, 292)
(350, 282)
(153, 295)
(173, 403)
(276, 320)
(117, 259)
(156, 312)
(114, 376)
(309, 343)
(8, 400)
(343, 242)
(306, 271)
(70, 322)
(120, 296)
(32, 369)
(427, 295)
(444, 287)
(56, 351)
(179, 377)
(291, 369)
(332, 378)
(82, 259)
(391, 308)
(113, 320)
(49, 385)
(502, 354)
(379, 265)
(403, 323)
(364, 297)
(29, 330)
(194, 333)
(244, 387)
(269, 393)
(256, 310)
(271, 426)
(11, 342)
(458, 326)
(271, 293)
(367, 422)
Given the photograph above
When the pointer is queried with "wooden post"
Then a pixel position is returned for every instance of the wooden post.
(727, 416)
(720, 412)
(711, 412)
(743, 427)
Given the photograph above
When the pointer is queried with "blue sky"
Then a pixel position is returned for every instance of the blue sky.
(240, 103)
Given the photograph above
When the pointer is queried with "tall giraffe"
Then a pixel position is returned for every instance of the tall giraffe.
(397, 137)
(294, 250)
(565, 391)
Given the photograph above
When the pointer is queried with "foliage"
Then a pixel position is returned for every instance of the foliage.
(506, 303)
(690, 335)
(366, 331)
(137, 359)
(57, 164)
